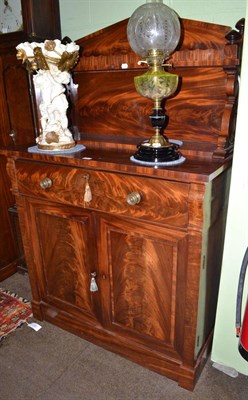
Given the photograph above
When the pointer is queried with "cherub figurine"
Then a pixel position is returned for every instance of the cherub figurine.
(51, 61)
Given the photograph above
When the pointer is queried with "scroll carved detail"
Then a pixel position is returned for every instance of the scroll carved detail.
(10, 167)
(228, 124)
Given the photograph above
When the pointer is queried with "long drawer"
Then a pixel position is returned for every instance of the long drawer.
(160, 200)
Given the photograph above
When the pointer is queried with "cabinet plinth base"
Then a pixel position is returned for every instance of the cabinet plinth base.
(162, 364)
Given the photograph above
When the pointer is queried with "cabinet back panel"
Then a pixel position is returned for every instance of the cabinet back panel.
(108, 104)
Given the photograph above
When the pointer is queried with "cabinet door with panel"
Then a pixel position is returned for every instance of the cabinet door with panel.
(145, 266)
(62, 259)
(17, 119)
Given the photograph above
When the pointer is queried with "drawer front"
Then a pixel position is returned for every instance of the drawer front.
(160, 201)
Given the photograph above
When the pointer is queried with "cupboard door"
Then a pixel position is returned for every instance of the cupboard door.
(144, 267)
(64, 257)
(17, 119)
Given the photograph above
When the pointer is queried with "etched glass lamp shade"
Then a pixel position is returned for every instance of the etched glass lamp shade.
(153, 33)
(153, 26)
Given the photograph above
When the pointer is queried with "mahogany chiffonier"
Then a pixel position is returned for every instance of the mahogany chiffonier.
(155, 263)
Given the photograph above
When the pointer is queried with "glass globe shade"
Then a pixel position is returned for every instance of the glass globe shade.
(153, 26)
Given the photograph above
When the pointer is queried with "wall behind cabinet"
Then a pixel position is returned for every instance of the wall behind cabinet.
(81, 17)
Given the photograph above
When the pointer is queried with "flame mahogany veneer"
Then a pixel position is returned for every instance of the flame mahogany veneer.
(157, 263)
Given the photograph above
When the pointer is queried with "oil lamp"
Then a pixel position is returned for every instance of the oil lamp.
(153, 33)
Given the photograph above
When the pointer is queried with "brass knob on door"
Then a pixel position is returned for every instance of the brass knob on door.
(46, 183)
(133, 198)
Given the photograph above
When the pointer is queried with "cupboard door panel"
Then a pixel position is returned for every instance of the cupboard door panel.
(16, 91)
(138, 302)
(145, 283)
(64, 249)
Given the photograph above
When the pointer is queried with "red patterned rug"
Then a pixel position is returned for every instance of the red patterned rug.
(14, 311)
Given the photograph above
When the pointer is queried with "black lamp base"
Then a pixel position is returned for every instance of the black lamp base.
(151, 154)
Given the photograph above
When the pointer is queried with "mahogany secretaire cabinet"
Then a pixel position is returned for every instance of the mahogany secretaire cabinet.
(138, 278)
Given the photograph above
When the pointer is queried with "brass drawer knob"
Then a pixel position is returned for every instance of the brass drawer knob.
(133, 198)
(46, 183)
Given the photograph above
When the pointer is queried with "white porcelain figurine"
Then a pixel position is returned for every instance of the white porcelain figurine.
(51, 61)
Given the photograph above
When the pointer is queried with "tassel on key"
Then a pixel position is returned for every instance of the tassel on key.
(87, 192)
(93, 285)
